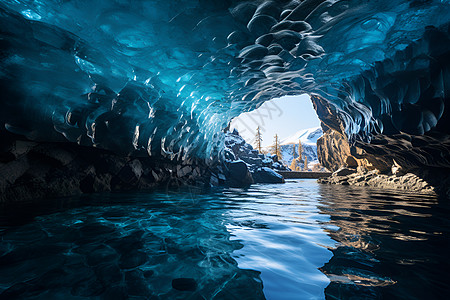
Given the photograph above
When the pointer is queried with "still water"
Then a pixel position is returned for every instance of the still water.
(300, 240)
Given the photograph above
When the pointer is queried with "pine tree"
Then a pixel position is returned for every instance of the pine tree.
(293, 166)
(300, 150)
(294, 154)
(258, 139)
(276, 148)
(300, 156)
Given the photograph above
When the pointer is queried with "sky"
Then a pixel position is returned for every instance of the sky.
(283, 116)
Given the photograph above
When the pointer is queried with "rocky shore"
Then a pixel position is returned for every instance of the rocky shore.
(397, 161)
(394, 181)
(244, 165)
(32, 171)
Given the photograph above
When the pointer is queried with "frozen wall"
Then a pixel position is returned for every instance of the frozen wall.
(163, 78)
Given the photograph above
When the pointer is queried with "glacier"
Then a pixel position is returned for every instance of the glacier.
(165, 78)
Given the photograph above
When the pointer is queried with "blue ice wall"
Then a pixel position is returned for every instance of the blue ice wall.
(163, 78)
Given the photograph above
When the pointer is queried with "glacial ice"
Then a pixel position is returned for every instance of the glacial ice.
(164, 78)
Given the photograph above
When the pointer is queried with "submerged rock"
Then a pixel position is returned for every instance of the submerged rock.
(184, 284)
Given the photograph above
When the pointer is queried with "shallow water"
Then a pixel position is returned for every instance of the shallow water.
(300, 240)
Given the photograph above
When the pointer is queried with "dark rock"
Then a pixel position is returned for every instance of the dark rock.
(278, 166)
(213, 180)
(88, 288)
(13, 170)
(273, 157)
(148, 273)
(374, 179)
(136, 284)
(111, 164)
(184, 284)
(351, 162)
(248, 159)
(87, 184)
(132, 259)
(115, 292)
(100, 255)
(238, 174)
(22, 147)
(267, 175)
(344, 172)
(254, 153)
(102, 183)
(132, 172)
(95, 230)
(6, 157)
(52, 279)
(60, 155)
(184, 171)
(126, 245)
(253, 161)
(109, 274)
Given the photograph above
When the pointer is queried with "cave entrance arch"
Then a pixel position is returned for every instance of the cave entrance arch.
(291, 119)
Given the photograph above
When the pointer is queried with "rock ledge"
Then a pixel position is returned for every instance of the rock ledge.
(361, 177)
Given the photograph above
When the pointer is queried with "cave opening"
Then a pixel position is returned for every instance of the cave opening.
(290, 122)
(120, 176)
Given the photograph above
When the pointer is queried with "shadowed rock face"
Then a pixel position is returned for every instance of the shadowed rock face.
(408, 109)
(163, 78)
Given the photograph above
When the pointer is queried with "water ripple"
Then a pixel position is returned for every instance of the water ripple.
(300, 240)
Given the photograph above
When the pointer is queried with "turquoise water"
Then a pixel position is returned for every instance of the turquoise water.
(300, 240)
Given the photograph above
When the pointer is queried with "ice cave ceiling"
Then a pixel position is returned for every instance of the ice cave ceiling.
(167, 76)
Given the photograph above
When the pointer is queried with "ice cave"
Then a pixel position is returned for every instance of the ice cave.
(108, 100)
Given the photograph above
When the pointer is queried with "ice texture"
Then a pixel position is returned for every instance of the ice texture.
(163, 78)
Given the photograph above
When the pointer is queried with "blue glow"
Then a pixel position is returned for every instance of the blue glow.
(132, 77)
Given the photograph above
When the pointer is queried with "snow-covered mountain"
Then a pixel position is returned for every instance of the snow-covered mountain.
(308, 138)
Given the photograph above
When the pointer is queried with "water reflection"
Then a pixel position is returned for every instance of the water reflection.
(299, 240)
(159, 246)
(280, 229)
(392, 245)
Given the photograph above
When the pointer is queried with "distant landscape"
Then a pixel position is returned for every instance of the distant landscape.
(308, 138)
